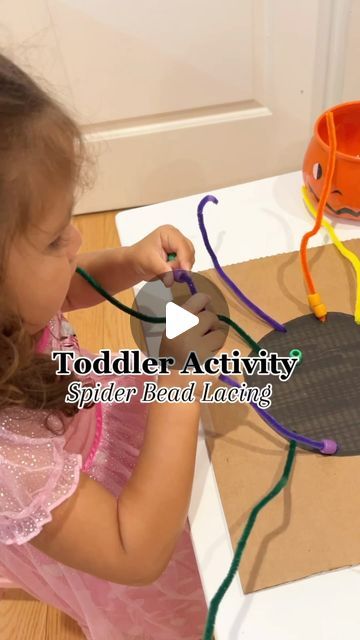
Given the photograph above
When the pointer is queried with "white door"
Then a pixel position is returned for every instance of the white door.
(183, 96)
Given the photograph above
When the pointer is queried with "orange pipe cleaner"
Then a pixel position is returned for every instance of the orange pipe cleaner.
(318, 308)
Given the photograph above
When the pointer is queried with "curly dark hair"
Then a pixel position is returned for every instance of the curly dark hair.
(40, 145)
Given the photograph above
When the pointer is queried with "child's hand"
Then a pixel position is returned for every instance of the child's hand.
(206, 338)
(149, 256)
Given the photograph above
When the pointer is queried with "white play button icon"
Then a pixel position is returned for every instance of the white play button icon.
(152, 310)
(178, 320)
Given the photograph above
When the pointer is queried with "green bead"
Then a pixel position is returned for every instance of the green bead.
(171, 257)
(296, 353)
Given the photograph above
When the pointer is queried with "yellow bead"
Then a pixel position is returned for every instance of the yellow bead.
(320, 311)
(314, 299)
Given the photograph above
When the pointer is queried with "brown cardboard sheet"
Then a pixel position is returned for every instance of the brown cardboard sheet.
(313, 525)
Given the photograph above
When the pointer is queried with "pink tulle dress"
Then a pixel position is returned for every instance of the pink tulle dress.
(39, 470)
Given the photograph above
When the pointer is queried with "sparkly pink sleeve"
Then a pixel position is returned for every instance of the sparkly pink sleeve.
(36, 475)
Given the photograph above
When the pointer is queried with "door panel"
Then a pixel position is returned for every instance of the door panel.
(182, 97)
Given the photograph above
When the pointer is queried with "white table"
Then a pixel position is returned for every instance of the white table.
(252, 220)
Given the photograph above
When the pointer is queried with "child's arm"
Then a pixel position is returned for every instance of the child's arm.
(130, 539)
(120, 268)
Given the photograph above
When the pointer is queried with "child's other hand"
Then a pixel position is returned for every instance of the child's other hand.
(149, 256)
(206, 338)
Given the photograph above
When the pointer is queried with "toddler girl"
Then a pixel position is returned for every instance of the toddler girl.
(93, 502)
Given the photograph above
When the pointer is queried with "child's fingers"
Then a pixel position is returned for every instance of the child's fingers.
(196, 303)
(161, 269)
(168, 278)
(186, 254)
(214, 340)
(207, 321)
(188, 260)
(173, 241)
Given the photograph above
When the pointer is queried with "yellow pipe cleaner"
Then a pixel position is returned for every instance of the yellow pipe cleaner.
(352, 257)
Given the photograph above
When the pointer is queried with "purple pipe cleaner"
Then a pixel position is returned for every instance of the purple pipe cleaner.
(276, 325)
(325, 446)
(183, 276)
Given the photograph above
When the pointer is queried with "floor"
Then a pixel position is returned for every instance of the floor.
(22, 617)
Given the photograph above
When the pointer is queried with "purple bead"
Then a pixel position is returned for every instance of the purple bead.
(329, 447)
